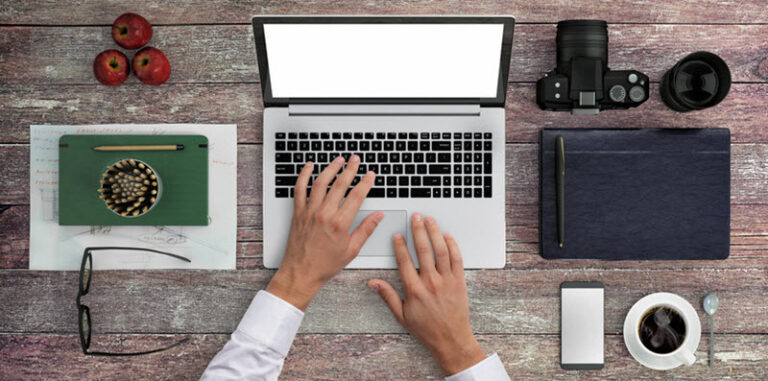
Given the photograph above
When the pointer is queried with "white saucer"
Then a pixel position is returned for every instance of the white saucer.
(636, 349)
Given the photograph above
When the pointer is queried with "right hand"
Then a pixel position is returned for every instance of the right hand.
(435, 307)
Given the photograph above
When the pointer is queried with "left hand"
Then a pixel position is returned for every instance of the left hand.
(320, 245)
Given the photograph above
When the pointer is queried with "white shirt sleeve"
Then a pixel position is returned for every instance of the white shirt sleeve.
(490, 369)
(258, 347)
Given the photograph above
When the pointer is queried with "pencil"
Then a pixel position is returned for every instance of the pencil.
(167, 147)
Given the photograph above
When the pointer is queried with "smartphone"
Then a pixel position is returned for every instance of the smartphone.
(581, 325)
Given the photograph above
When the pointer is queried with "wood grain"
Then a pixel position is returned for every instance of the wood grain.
(191, 11)
(355, 357)
(743, 111)
(227, 52)
(501, 301)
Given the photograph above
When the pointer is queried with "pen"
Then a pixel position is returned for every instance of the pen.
(167, 147)
(560, 181)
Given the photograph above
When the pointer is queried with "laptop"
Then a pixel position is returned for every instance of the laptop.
(420, 99)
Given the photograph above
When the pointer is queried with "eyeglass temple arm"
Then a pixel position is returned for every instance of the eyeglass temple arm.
(138, 353)
(139, 249)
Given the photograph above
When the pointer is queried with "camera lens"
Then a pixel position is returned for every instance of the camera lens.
(698, 81)
(581, 38)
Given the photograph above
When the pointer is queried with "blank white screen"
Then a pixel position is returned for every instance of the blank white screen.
(384, 60)
(582, 326)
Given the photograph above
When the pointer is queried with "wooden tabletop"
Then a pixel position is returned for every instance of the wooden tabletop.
(46, 53)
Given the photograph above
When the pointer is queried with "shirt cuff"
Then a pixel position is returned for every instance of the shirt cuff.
(490, 369)
(271, 321)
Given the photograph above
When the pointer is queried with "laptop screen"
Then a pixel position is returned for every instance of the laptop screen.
(385, 61)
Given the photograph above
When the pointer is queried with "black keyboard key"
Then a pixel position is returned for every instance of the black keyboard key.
(416, 181)
(374, 168)
(467, 192)
(292, 146)
(418, 157)
(443, 157)
(328, 145)
(356, 180)
(467, 157)
(303, 135)
(467, 169)
(478, 193)
(467, 146)
(457, 146)
(457, 135)
(420, 193)
(457, 192)
(322, 157)
(376, 192)
(425, 135)
(298, 157)
(478, 157)
(487, 181)
(389, 146)
(391, 192)
(402, 135)
(346, 155)
(439, 169)
(410, 169)
(386, 169)
(478, 145)
(379, 181)
(488, 145)
(283, 157)
(394, 157)
(369, 135)
(413, 145)
(352, 146)
(310, 156)
(285, 180)
(436, 192)
(325, 135)
(397, 169)
(279, 146)
(336, 135)
(383, 158)
(421, 169)
(279, 135)
(370, 157)
(391, 135)
(457, 169)
(488, 135)
(441, 146)
(487, 163)
(431, 180)
(341, 146)
(358, 135)
(314, 135)
(407, 157)
(365, 146)
(446, 192)
(424, 146)
(376, 146)
(457, 157)
(293, 135)
(457, 180)
(303, 145)
(467, 135)
(402, 181)
(413, 135)
(435, 135)
(316, 146)
(347, 135)
(478, 135)
(284, 169)
(403, 192)
(478, 168)
(381, 135)
(281, 192)
(467, 180)
(431, 157)
(446, 181)
(400, 145)
(362, 169)
(446, 135)
(478, 181)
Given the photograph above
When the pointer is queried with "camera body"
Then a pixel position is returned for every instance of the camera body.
(582, 82)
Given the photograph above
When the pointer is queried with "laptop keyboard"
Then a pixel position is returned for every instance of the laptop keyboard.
(407, 165)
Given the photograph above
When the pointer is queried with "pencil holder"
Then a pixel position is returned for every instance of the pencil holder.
(130, 188)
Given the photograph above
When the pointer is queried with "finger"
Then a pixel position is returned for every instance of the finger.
(390, 296)
(421, 244)
(352, 203)
(300, 192)
(442, 262)
(339, 188)
(363, 231)
(405, 266)
(321, 183)
(457, 264)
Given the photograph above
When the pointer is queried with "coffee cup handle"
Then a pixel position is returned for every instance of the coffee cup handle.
(686, 357)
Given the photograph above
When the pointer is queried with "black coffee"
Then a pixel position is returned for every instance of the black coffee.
(662, 330)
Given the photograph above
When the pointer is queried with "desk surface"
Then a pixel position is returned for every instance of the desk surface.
(46, 51)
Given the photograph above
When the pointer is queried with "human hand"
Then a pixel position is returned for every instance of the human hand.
(435, 308)
(320, 245)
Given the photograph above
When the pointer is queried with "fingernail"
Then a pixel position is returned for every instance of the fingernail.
(417, 217)
(370, 173)
(378, 217)
(309, 163)
(354, 159)
(448, 236)
(397, 236)
(430, 220)
(339, 159)
(374, 286)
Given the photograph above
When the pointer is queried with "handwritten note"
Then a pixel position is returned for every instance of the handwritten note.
(54, 247)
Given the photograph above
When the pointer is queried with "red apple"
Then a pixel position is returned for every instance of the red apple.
(151, 66)
(111, 67)
(131, 31)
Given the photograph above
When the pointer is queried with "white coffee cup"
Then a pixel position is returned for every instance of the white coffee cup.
(684, 354)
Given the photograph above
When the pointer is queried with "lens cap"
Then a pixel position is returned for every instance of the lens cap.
(698, 81)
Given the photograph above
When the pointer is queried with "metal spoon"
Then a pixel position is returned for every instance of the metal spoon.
(710, 305)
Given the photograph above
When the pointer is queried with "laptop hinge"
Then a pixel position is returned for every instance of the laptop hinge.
(361, 109)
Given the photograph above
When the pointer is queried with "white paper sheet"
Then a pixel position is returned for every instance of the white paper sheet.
(54, 247)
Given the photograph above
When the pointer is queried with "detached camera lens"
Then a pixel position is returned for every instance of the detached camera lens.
(698, 81)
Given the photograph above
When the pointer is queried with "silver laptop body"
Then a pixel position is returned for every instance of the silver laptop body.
(420, 99)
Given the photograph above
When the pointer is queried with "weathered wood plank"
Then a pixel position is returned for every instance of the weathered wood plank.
(501, 301)
(749, 177)
(186, 11)
(743, 111)
(356, 357)
(225, 53)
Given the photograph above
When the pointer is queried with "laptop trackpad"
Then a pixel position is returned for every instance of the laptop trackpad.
(380, 242)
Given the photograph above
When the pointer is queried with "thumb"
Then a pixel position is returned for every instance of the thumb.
(390, 296)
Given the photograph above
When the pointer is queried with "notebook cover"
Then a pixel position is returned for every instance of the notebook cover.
(183, 173)
(658, 194)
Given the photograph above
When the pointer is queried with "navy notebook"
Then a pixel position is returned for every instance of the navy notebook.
(636, 194)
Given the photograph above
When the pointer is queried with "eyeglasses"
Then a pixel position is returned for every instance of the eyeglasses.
(86, 268)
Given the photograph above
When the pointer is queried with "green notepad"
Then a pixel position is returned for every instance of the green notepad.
(183, 177)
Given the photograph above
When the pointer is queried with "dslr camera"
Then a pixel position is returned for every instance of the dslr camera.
(582, 81)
